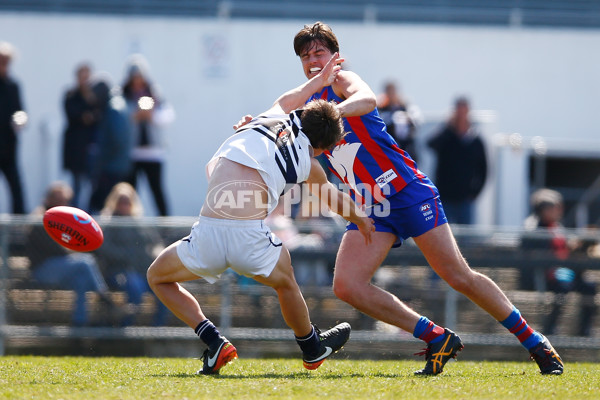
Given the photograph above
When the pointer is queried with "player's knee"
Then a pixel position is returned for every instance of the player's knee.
(281, 278)
(287, 283)
(152, 276)
(344, 290)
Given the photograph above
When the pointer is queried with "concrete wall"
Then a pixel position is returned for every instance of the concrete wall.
(538, 81)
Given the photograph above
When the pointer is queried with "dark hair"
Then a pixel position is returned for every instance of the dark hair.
(322, 124)
(130, 95)
(461, 101)
(101, 90)
(317, 32)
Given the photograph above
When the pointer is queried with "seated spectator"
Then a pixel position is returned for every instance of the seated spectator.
(129, 249)
(54, 265)
(547, 213)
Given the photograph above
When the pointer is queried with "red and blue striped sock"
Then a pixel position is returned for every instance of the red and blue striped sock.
(517, 325)
(428, 331)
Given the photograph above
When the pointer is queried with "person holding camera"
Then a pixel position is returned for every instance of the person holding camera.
(148, 116)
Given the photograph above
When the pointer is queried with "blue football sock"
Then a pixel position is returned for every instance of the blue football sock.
(209, 334)
(310, 343)
(517, 325)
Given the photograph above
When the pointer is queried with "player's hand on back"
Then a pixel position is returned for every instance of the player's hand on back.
(245, 119)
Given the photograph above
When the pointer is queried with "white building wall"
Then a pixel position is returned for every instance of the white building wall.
(538, 81)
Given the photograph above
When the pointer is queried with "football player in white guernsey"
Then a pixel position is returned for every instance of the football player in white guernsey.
(246, 177)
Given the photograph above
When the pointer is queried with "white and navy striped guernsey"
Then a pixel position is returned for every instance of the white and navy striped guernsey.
(275, 146)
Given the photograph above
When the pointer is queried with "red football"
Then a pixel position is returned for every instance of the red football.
(73, 228)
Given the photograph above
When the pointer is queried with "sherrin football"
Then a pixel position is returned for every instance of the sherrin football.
(73, 228)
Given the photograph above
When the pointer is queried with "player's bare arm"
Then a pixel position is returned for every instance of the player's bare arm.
(338, 201)
(298, 96)
(358, 97)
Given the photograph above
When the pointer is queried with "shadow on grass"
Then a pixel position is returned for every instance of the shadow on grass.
(291, 375)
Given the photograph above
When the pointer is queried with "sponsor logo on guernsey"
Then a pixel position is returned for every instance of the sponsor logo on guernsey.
(386, 177)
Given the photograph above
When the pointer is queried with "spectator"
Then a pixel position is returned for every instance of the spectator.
(12, 119)
(82, 113)
(461, 168)
(113, 161)
(546, 218)
(129, 249)
(401, 118)
(149, 114)
(54, 265)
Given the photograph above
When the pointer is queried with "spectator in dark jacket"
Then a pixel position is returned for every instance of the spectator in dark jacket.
(12, 119)
(82, 113)
(461, 169)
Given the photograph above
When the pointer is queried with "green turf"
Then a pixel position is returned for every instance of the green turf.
(152, 378)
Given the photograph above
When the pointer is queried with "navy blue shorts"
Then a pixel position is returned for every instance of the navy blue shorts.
(406, 222)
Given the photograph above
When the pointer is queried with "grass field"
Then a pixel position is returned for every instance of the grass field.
(153, 378)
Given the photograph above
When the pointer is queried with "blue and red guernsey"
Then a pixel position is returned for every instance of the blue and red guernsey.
(368, 159)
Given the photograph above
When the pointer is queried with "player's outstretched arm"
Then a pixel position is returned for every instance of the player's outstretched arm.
(338, 201)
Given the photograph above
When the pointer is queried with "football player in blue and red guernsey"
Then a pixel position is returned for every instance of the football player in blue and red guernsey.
(404, 203)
